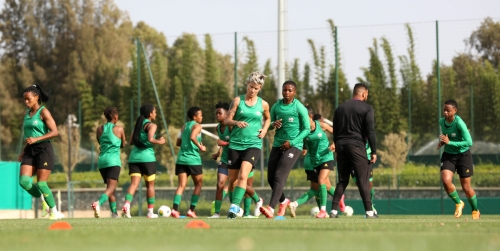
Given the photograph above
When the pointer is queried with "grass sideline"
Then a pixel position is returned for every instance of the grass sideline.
(304, 233)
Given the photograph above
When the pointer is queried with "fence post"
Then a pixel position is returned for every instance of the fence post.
(438, 72)
(389, 193)
(236, 64)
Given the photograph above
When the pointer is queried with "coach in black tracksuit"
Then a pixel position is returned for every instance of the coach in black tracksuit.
(353, 123)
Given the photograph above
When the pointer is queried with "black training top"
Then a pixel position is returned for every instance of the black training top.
(353, 123)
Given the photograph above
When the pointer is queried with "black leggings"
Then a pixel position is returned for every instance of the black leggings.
(353, 158)
(278, 168)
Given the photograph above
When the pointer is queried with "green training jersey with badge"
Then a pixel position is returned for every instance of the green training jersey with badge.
(146, 154)
(224, 136)
(245, 138)
(294, 123)
(189, 154)
(109, 145)
(318, 146)
(460, 139)
(33, 126)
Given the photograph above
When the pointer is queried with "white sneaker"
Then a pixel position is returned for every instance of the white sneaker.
(97, 209)
(257, 207)
(215, 216)
(152, 215)
(126, 211)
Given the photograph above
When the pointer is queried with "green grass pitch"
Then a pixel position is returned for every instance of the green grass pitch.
(387, 233)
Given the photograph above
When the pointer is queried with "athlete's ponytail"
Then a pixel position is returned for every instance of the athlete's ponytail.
(37, 90)
(145, 112)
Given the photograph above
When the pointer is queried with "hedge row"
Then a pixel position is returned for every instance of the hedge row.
(410, 175)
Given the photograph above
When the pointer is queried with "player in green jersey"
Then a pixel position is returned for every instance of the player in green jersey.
(224, 133)
(37, 156)
(111, 138)
(189, 161)
(456, 157)
(250, 119)
(222, 172)
(142, 159)
(291, 123)
(311, 174)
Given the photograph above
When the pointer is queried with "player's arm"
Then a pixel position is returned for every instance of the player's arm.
(195, 130)
(151, 128)
(229, 121)
(51, 124)
(178, 142)
(326, 127)
(118, 130)
(267, 120)
(467, 139)
(217, 154)
(305, 125)
(274, 123)
(372, 137)
(98, 134)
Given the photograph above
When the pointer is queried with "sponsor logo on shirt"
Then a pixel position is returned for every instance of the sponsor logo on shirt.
(227, 137)
(35, 122)
(453, 134)
(320, 135)
(290, 119)
(258, 113)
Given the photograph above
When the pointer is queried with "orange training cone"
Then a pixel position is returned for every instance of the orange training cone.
(60, 225)
(197, 224)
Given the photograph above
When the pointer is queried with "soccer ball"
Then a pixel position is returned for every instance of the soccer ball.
(348, 211)
(240, 213)
(314, 211)
(164, 211)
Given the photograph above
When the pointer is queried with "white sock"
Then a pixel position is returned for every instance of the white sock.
(53, 210)
(323, 208)
(150, 210)
(272, 210)
(334, 211)
(284, 201)
(369, 213)
(295, 204)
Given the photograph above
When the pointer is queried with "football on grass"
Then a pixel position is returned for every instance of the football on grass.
(164, 211)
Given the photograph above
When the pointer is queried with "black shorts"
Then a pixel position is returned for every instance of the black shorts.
(112, 172)
(236, 157)
(189, 170)
(312, 175)
(353, 174)
(461, 163)
(222, 169)
(40, 156)
(326, 165)
(144, 168)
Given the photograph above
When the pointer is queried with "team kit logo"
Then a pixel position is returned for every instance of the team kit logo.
(35, 122)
